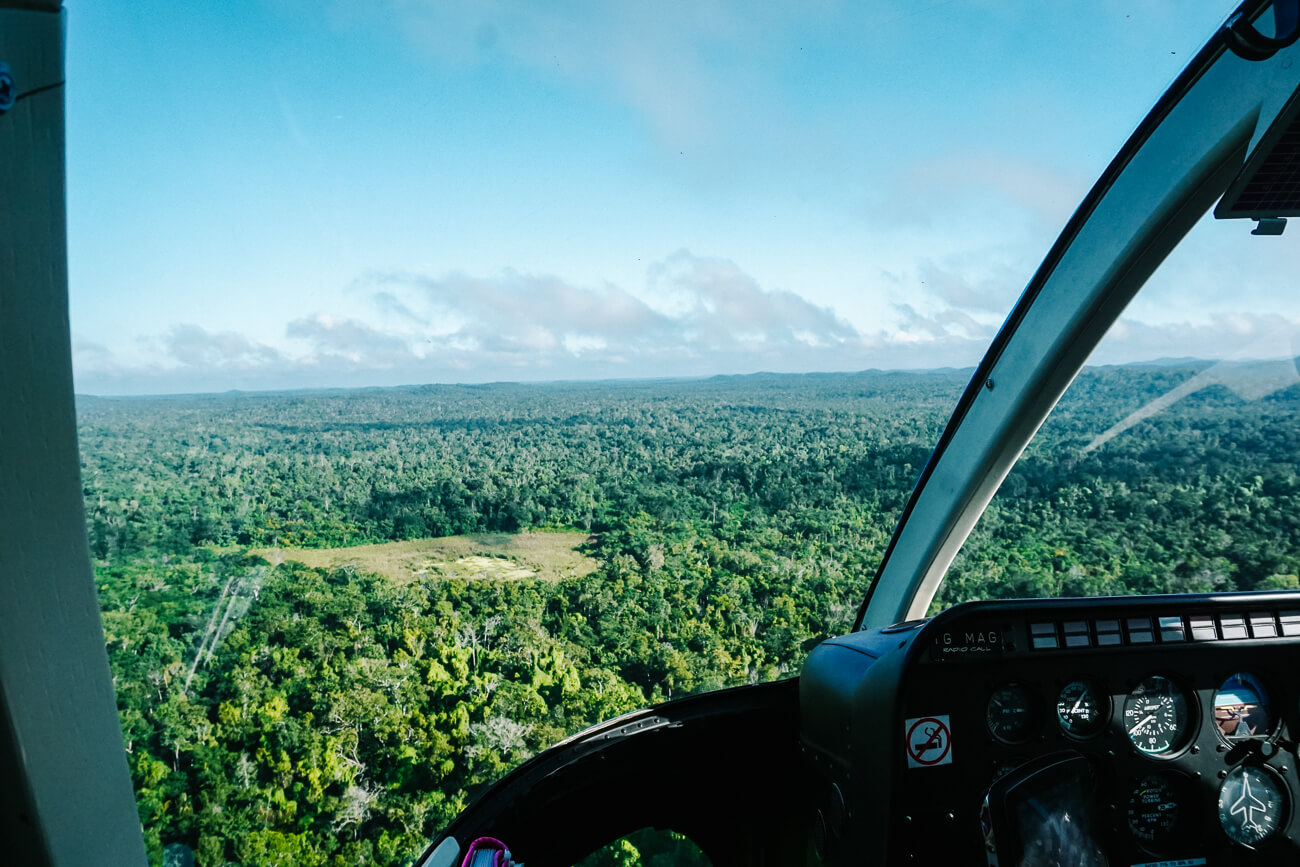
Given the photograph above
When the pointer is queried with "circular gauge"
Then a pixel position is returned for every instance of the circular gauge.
(1155, 716)
(1010, 713)
(1154, 810)
(1252, 805)
(1081, 709)
(1241, 709)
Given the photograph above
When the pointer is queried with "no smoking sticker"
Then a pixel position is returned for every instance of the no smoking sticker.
(928, 740)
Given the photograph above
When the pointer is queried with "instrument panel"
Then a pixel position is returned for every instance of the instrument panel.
(1146, 731)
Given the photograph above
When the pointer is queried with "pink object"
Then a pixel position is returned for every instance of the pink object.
(487, 852)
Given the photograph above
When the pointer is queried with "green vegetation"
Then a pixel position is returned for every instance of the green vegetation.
(649, 848)
(288, 702)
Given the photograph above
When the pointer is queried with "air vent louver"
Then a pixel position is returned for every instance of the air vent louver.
(1269, 184)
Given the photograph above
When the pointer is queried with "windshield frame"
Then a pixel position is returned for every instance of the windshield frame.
(1170, 172)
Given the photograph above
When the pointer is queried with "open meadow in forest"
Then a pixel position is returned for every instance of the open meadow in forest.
(550, 556)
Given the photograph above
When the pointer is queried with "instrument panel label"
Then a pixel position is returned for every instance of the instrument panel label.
(969, 643)
(928, 740)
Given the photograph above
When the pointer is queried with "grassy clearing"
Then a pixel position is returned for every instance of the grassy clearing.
(550, 556)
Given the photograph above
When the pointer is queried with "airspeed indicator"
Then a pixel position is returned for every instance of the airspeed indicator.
(1156, 718)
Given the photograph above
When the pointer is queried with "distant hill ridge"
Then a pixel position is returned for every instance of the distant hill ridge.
(639, 382)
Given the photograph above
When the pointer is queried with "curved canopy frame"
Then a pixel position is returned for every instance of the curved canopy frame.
(1171, 171)
(65, 788)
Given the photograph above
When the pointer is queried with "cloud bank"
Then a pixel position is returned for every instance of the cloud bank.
(696, 316)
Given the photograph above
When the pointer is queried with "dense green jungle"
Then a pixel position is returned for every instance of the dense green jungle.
(279, 714)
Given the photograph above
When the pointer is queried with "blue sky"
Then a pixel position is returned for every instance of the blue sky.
(290, 193)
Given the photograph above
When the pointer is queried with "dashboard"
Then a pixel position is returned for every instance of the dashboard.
(1135, 731)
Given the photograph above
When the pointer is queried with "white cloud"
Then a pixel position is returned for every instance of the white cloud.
(699, 315)
(350, 340)
(388, 303)
(91, 353)
(955, 288)
(695, 316)
(658, 58)
(193, 346)
(934, 190)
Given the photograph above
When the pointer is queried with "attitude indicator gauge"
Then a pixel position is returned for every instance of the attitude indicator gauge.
(1252, 805)
(1241, 709)
(1081, 709)
(1156, 717)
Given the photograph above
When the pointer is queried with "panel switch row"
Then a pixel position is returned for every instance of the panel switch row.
(1166, 629)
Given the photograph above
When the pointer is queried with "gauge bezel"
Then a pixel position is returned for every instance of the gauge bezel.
(1104, 702)
(1279, 831)
(1275, 716)
(1185, 738)
(1031, 706)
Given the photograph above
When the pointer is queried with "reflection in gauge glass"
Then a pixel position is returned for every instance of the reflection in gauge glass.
(1010, 713)
(1252, 805)
(1241, 709)
(1155, 716)
(1081, 708)
(1154, 811)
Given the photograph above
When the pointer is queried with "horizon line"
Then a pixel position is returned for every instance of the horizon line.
(1164, 361)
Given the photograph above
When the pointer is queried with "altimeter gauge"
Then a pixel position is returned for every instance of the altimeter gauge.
(1156, 717)
(1252, 805)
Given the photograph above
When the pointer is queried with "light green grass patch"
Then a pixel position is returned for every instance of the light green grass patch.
(501, 556)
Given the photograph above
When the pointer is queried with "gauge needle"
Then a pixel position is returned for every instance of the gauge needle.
(1075, 709)
(1144, 722)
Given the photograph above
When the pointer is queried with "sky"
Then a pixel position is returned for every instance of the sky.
(269, 194)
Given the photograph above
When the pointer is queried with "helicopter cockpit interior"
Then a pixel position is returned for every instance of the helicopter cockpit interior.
(1080, 731)
(1153, 730)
